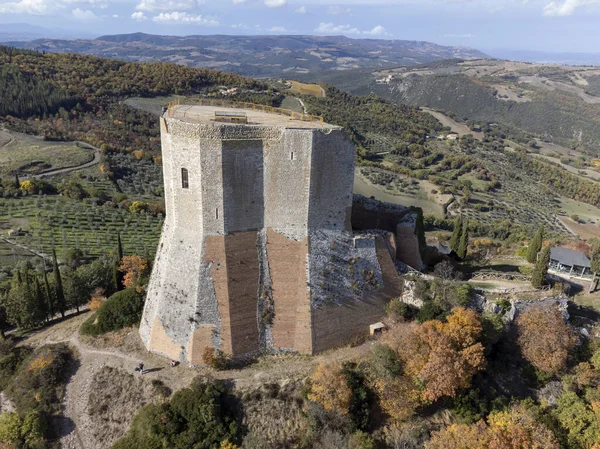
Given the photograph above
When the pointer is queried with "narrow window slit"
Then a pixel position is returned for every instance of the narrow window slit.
(185, 183)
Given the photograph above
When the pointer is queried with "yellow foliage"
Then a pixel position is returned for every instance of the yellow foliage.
(40, 363)
(398, 397)
(138, 154)
(482, 243)
(444, 356)
(28, 186)
(95, 302)
(227, 445)
(512, 429)
(330, 388)
(134, 268)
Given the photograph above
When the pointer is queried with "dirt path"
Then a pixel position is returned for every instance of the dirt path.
(61, 171)
(123, 351)
(459, 128)
(26, 248)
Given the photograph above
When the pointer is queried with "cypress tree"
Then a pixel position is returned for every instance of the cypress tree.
(420, 230)
(117, 275)
(60, 294)
(119, 248)
(456, 233)
(48, 295)
(535, 245)
(17, 182)
(538, 278)
(463, 246)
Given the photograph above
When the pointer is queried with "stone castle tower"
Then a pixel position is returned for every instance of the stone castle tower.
(257, 251)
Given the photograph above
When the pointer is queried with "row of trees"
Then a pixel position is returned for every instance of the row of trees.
(32, 298)
(459, 242)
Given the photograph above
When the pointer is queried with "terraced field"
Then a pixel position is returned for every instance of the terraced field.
(61, 223)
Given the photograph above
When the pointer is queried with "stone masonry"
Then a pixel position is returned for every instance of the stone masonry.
(257, 251)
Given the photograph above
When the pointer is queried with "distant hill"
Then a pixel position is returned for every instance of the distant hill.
(258, 55)
(547, 57)
(558, 103)
(10, 32)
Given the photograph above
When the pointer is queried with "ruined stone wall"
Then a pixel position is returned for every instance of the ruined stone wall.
(336, 324)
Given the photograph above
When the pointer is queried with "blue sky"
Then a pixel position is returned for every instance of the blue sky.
(548, 25)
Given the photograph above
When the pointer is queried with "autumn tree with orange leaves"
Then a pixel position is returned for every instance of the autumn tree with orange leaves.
(136, 270)
(329, 387)
(545, 338)
(516, 428)
(444, 356)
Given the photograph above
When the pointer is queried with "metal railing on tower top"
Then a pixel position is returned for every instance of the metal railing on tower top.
(251, 106)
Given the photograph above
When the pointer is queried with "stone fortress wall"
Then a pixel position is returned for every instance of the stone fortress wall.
(257, 251)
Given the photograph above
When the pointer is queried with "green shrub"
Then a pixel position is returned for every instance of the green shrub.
(504, 304)
(526, 270)
(522, 252)
(26, 432)
(38, 383)
(361, 440)
(386, 361)
(360, 400)
(397, 311)
(431, 311)
(464, 294)
(122, 309)
(196, 417)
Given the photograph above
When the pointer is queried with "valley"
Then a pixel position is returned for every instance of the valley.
(492, 187)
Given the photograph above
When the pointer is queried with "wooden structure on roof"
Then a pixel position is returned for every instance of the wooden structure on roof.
(231, 117)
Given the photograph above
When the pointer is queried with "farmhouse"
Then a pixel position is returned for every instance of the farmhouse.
(564, 261)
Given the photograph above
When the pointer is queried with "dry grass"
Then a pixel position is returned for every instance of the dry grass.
(114, 398)
(31, 156)
(585, 231)
(307, 89)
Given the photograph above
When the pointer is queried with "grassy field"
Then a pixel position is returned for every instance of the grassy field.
(27, 154)
(293, 104)
(307, 89)
(418, 196)
(150, 105)
(585, 211)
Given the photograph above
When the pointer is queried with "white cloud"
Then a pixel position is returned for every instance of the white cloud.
(275, 3)
(278, 29)
(301, 10)
(115, 16)
(98, 3)
(239, 2)
(566, 7)
(378, 31)
(166, 5)
(337, 10)
(330, 28)
(84, 15)
(185, 18)
(461, 36)
(139, 16)
(35, 7)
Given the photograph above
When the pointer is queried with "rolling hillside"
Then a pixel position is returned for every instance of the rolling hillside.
(559, 104)
(257, 55)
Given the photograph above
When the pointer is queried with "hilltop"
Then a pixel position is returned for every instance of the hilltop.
(257, 55)
(557, 103)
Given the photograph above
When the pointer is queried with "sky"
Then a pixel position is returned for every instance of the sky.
(541, 25)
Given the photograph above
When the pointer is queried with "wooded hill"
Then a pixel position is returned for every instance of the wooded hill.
(556, 103)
